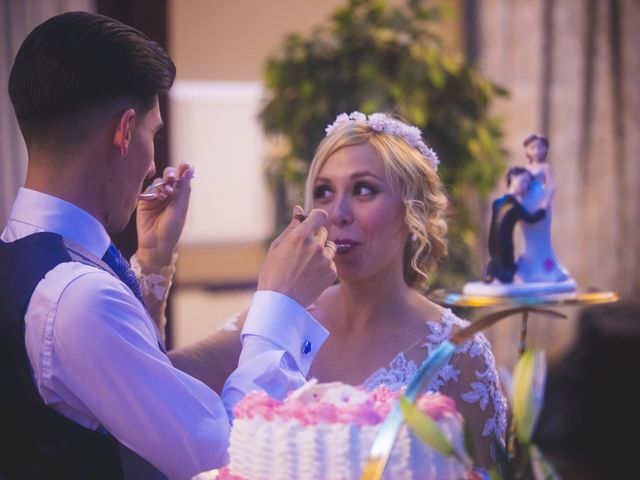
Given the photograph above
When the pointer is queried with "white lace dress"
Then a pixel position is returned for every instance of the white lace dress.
(470, 378)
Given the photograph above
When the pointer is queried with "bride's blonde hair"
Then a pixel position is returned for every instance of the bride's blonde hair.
(412, 176)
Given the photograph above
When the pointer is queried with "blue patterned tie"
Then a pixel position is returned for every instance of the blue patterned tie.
(121, 267)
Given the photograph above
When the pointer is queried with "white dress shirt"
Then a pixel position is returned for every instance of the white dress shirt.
(95, 358)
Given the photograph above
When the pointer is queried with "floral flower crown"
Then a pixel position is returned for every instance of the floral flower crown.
(381, 122)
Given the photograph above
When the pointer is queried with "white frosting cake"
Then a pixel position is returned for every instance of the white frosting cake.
(325, 431)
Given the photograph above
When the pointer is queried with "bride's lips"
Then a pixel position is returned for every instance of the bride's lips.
(345, 245)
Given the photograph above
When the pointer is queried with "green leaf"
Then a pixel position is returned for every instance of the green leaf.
(371, 105)
(541, 467)
(494, 474)
(528, 393)
(522, 401)
(425, 428)
(468, 440)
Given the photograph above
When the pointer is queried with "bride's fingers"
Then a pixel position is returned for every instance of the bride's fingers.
(330, 249)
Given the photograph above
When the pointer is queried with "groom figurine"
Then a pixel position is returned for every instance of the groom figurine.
(88, 391)
(506, 212)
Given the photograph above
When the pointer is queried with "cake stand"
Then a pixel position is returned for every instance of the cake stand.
(509, 306)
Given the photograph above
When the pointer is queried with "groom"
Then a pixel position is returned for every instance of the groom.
(506, 211)
(88, 390)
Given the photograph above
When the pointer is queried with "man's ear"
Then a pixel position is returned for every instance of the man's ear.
(124, 130)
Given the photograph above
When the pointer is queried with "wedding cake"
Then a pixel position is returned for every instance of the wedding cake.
(325, 431)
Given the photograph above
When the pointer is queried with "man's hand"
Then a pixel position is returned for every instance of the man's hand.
(160, 220)
(298, 263)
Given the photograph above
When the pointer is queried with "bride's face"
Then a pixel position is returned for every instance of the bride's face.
(536, 151)
(366, 214)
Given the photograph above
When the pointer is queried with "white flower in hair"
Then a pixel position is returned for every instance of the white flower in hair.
(377, 121)
(383, 123)
(340, 119)
(358, 117)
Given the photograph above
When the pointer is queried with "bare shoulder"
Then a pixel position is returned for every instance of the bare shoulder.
(427, 310)
(324, 307)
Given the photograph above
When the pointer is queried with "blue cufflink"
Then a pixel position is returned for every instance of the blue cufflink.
(306, 347)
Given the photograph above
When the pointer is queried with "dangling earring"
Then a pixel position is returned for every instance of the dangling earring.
(414, 237)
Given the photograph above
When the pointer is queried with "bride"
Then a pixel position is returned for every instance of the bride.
(538, 261)
(377, 180)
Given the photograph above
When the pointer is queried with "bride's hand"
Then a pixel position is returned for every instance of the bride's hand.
(161, 215)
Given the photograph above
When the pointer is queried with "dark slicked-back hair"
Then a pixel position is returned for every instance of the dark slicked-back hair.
(516, 171)
(78, 61)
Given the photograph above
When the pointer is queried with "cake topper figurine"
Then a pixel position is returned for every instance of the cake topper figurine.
(506, 211)
(526, 205)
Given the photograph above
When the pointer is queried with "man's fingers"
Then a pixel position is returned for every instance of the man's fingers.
(322, 235)
(169, 174)
(330, 248)
(317, 218)
(297, 218)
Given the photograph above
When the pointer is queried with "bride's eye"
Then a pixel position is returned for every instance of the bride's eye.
(364, 189)
(321, 192)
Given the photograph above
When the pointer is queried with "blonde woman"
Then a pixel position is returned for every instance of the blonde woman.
(378, 182)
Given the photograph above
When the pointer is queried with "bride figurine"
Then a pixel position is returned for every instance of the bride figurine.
(537, 270)
(538, 261)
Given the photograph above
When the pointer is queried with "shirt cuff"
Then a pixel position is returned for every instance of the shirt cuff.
(287, 324)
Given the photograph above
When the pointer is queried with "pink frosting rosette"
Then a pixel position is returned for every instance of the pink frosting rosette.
(436, 405)
(330, 403)
(256, 404)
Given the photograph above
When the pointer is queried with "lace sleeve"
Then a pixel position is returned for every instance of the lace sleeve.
(155, 287)
(474, 385)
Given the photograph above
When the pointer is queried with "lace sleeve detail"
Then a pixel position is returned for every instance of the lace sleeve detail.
(484, 387)
(155, 285)
(231, 323)
(471, 379)
(155, 288)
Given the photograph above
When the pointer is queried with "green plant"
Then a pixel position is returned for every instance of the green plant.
(374, 57)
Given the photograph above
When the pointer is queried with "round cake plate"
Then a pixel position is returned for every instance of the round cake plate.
(456, 299)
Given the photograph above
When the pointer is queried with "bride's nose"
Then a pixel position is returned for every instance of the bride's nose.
(341, 212)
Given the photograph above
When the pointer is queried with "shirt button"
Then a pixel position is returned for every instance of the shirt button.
(306, 347)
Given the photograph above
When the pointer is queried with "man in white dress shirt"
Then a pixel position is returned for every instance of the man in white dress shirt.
(91, 391)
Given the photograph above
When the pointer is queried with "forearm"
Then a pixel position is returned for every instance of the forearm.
(210, 360)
